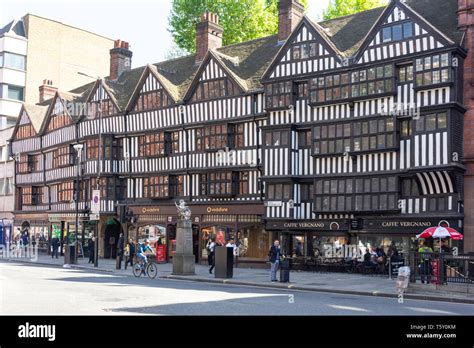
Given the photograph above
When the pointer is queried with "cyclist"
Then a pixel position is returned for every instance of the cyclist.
(142, 249)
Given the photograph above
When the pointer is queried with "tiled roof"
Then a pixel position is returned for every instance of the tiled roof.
(37, 114)
(247, 61)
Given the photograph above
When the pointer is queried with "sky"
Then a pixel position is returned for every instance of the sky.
(143, 23)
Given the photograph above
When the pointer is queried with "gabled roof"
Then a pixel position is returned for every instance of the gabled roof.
(36, 114)
(50, 103)
(218, 57)
(152, 70)
(318, 30)
(247, 62)
(348, 32)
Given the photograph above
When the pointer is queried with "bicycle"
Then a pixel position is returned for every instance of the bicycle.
(148, 268)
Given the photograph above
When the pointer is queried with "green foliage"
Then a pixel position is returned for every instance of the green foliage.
(338, 8)
(242, 20)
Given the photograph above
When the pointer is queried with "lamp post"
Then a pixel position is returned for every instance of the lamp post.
(96, 229)
(78, 147)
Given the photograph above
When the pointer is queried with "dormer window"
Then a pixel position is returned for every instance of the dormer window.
(397, 32)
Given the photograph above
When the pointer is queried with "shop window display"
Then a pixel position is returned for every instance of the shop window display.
(156, 234)
(326, 246)
(253, 242)
(397, 245)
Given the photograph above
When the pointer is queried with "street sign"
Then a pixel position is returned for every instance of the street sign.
(95, 204)
(94, 217)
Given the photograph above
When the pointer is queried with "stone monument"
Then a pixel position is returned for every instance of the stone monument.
(183, 259)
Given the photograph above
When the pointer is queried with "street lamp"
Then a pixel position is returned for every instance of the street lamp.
(78, 147)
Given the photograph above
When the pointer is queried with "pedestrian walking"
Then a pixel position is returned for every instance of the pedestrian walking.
(274, 255)
(131, 253)
(91, 250)
(231, 244)
(25, 240)
(120, 250)
(54, 247)
(211, 248)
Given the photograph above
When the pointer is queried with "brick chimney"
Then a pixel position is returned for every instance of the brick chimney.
(46, 90)
(466, 24)
(290, 13)
(120, 59)
(208, 35)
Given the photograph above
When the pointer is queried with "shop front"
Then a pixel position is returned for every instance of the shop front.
(156, 224)
(331, 242)
(311, 241)
(222, 222)
(36, 226)
(399, 234)
(63, 226)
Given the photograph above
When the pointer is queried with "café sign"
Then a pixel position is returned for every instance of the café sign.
(411, 225)
(406, 224)
(303, 225)
(308, 225)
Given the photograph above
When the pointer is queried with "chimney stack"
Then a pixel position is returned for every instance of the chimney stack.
(466, 24)
(208, 35)
(46, 90)
(120, 59)
(290, 13)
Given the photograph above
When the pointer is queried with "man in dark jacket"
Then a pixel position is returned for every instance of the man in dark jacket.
(25, 239)
(54, 247)
(274, 255)
(120, 250)
(91, 250)
(131, 253)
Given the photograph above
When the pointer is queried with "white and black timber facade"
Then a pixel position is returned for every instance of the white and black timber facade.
(348, 130)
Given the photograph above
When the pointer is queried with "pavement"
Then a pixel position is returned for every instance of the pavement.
(335, 283)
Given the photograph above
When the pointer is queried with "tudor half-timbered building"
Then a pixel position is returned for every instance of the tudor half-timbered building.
(364, 137)
(187, 129)
(343, 131)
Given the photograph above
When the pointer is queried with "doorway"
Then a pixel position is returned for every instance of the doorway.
(111, 237)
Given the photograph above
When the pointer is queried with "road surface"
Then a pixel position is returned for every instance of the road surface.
(42, 290)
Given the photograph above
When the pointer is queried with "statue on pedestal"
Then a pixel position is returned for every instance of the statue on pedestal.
(184, 213)
(183, 259)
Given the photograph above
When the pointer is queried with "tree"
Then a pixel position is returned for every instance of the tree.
(338, 8)
(242, 20)
(175, 52)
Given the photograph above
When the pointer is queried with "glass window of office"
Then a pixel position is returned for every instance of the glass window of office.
(11, 60)
(15, 92)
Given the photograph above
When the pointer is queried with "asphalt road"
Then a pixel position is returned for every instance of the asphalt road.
(41, 290)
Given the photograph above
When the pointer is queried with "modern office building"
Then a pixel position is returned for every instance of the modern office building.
(35, 51)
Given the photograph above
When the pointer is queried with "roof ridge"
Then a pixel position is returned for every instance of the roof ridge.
(245, 42)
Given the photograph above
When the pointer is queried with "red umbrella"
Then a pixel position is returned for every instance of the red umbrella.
(440, 232)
